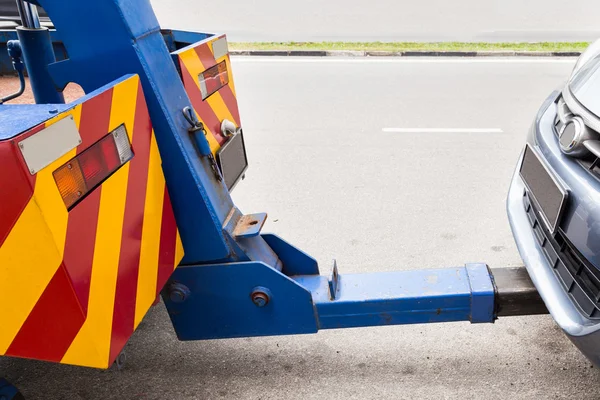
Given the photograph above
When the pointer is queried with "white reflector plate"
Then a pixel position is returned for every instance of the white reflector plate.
(220, 47)
(49, 144)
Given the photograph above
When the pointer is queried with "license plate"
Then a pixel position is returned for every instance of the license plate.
(549, 196)
(232, 159)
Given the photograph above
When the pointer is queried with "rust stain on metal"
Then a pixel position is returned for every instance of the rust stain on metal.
(387, 318)
(247, 222)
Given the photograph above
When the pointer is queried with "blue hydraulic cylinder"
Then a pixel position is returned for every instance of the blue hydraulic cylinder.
(38, 54)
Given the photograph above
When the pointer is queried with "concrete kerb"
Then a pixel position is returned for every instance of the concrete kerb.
(379, 53)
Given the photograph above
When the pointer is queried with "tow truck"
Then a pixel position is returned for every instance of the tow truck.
(123, 195)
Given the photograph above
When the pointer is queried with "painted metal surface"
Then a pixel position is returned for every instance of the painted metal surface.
(38, 54)
(174, 39)
(221, 303)
(191, 62)
(84, 278)
(251, 299)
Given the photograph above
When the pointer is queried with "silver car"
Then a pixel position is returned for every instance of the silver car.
(554, 204)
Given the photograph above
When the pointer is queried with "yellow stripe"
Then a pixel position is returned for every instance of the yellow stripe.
(46, 192)
(123, 105)
(215, 101)
(230, 72)
(28, 260)
(148, 272)
(91, 346)
(194, 66)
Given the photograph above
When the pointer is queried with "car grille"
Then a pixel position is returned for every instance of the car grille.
(580, 279)
(589, 163)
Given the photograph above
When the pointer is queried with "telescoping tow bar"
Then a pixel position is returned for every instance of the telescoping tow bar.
(124, 194)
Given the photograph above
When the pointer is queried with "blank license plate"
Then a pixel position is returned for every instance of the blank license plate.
(548, 195)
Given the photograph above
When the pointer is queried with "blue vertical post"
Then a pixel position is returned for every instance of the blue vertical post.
(38, 54)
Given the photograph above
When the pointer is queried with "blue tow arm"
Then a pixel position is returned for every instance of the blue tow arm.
(253, 299)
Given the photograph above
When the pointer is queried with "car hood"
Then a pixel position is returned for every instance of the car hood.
(585, 86)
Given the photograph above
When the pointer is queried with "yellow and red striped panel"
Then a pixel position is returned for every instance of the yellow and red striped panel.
(75, 284)
(218, 106)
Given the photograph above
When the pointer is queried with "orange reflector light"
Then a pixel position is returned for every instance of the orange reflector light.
(88, 170)
(213, 79)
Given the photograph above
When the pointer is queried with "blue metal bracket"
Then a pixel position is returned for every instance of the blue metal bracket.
(250, 225)
(238, 300)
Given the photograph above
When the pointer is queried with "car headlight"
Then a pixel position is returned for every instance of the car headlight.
(591, 52)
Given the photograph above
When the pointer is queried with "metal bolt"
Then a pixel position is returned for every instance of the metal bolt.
(69, 166)
(79, 194)
(21, 145)
(260, 297)
(178, 293)
(120, 360)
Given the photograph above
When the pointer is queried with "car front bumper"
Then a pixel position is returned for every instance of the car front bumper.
(583, 332)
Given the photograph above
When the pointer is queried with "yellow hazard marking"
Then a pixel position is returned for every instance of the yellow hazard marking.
(46, 192)
(194, 66)
(34, 249)
(91, 346)
(230, 72)
(28, 261)
(215, 100)
(149, 252)
(50, 202)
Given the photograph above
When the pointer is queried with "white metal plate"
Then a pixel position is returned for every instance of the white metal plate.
(220, 47)
(49, 144)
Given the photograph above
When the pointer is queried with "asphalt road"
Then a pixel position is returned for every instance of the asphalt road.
(337, 186)
(387, 20)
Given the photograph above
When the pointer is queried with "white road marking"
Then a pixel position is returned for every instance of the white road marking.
(404, 60)
(442, 130)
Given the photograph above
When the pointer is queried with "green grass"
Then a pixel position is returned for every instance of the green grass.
(412, 46)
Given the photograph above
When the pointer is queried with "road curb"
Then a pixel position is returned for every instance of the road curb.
(378, 53)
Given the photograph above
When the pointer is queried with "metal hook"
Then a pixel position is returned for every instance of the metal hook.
(190, 115)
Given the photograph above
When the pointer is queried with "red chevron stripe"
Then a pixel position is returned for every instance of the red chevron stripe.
(80, 244)
(83, 218)
(52, 324)
(18, 186)
(168, 241)
(212, 122)
(129, 259)
(208, 60)
(206, 56)
(230, 102)
(94, 113)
